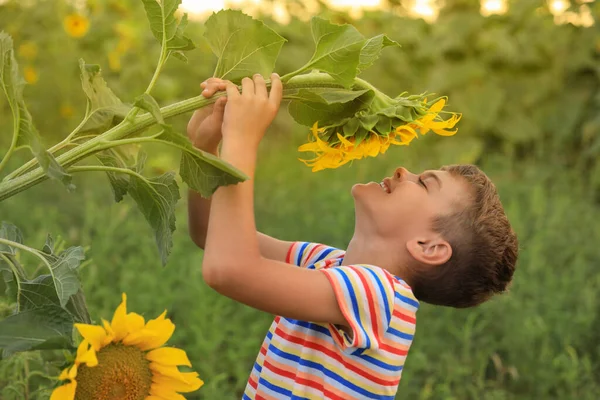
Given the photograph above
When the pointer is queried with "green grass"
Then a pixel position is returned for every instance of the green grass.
(536, 342)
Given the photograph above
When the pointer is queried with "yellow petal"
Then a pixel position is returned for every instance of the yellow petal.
(118, 324)
(164, 393)
(162, 328)
(309, 147)
(86, 354)
(96, 335)
(189, 383)
(135, 322)
(169, 356)
(73, 372)
(64, 392)
(165, 370)
(438, 105)
(443, 132)
(345, 141)
(64, 375)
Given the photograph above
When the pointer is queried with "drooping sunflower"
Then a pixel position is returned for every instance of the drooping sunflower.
(124, 360)
(76, 25)
(346, 149)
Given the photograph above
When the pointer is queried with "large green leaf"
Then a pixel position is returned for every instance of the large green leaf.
(327, 106)
(10, 269)
(104, 108)
(202, 171)
(41, 291)
(119, 183)
(24, 130)
(10, 232)
(371, 50)
(338, 50)
(47, 327)
(63, 268)
(164, 26)
(244, 46)
(156, 198)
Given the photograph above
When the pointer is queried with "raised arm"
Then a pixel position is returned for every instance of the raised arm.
(204, 131)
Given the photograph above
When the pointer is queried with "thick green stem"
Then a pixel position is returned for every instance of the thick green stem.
(139, 123)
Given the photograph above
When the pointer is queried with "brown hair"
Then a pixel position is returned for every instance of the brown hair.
(484, 248)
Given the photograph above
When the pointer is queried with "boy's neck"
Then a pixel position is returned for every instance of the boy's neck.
(375, 252)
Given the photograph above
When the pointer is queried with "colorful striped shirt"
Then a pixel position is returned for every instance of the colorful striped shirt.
(306, 360)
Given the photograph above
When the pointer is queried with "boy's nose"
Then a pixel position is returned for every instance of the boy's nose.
(403, 174)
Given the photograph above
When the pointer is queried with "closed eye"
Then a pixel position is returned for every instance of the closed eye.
(422, 182)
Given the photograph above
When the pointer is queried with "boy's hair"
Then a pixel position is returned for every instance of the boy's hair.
(484, 248)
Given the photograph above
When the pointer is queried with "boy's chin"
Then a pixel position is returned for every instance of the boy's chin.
(362, 190)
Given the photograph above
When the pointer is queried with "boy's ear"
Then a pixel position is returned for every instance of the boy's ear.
(430, 251)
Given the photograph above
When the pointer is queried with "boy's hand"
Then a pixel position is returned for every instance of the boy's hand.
(204, 128)
(248, 115)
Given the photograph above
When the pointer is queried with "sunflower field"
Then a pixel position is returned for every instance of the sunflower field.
(101, 290)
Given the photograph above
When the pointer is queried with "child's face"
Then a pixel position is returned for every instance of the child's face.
(406, 207)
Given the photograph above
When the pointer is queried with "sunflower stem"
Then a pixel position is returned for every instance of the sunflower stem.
(138, 123)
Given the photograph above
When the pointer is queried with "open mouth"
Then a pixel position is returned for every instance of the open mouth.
(385, 187)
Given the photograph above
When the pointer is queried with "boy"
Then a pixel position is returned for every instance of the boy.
(346, 319)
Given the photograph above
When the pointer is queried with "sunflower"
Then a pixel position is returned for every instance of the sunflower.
(76, 25)
(346, 150)
(30, 74)
(66, 111)
(124, 360)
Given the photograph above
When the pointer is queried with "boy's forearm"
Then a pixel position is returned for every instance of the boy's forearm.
(199, 212)
(232, 229)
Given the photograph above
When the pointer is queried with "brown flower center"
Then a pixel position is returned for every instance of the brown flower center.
(122, 373)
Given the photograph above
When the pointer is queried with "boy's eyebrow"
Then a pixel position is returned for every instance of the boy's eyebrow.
(434, 176)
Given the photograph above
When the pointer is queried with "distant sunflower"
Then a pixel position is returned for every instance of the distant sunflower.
(76, 25)
(30, 74)
(124, 359)
(66, 111)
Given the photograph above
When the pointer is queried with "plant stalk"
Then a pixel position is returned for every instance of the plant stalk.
(139, 123)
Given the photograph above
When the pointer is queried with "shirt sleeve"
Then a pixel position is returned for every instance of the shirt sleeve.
(365, 295)
(305, 254)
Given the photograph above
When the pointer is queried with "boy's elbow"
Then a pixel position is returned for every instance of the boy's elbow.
(216, 275)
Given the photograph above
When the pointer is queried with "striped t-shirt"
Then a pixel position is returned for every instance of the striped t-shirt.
(306, 360)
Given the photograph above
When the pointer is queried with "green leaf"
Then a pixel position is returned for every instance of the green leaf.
(10, 232)
(104, 108)
(338, 49)
(371, 50)
(243, 45)
(309, 106)
(11, 270)
(148, 103)
(180, 56)
(164, 26)
(41, 291)
(64, 272)
(12, 274)
(119, 183)
(202, 171)
(24, 129)
(368, 121)
(156, 198)
(47, 327)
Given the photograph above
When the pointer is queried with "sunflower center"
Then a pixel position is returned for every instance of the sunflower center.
(122, 373)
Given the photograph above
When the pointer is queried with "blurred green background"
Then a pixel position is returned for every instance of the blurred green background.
(529, 91)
